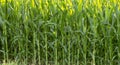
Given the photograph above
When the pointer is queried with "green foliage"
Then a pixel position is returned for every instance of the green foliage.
(60, 32)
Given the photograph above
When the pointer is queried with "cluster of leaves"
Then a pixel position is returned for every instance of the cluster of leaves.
(60, 31)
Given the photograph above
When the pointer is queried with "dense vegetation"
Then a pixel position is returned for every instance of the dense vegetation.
(60, 32)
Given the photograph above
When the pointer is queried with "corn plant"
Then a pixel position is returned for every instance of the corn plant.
(59, 32)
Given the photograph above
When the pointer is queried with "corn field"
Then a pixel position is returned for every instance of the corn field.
(60, 32)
